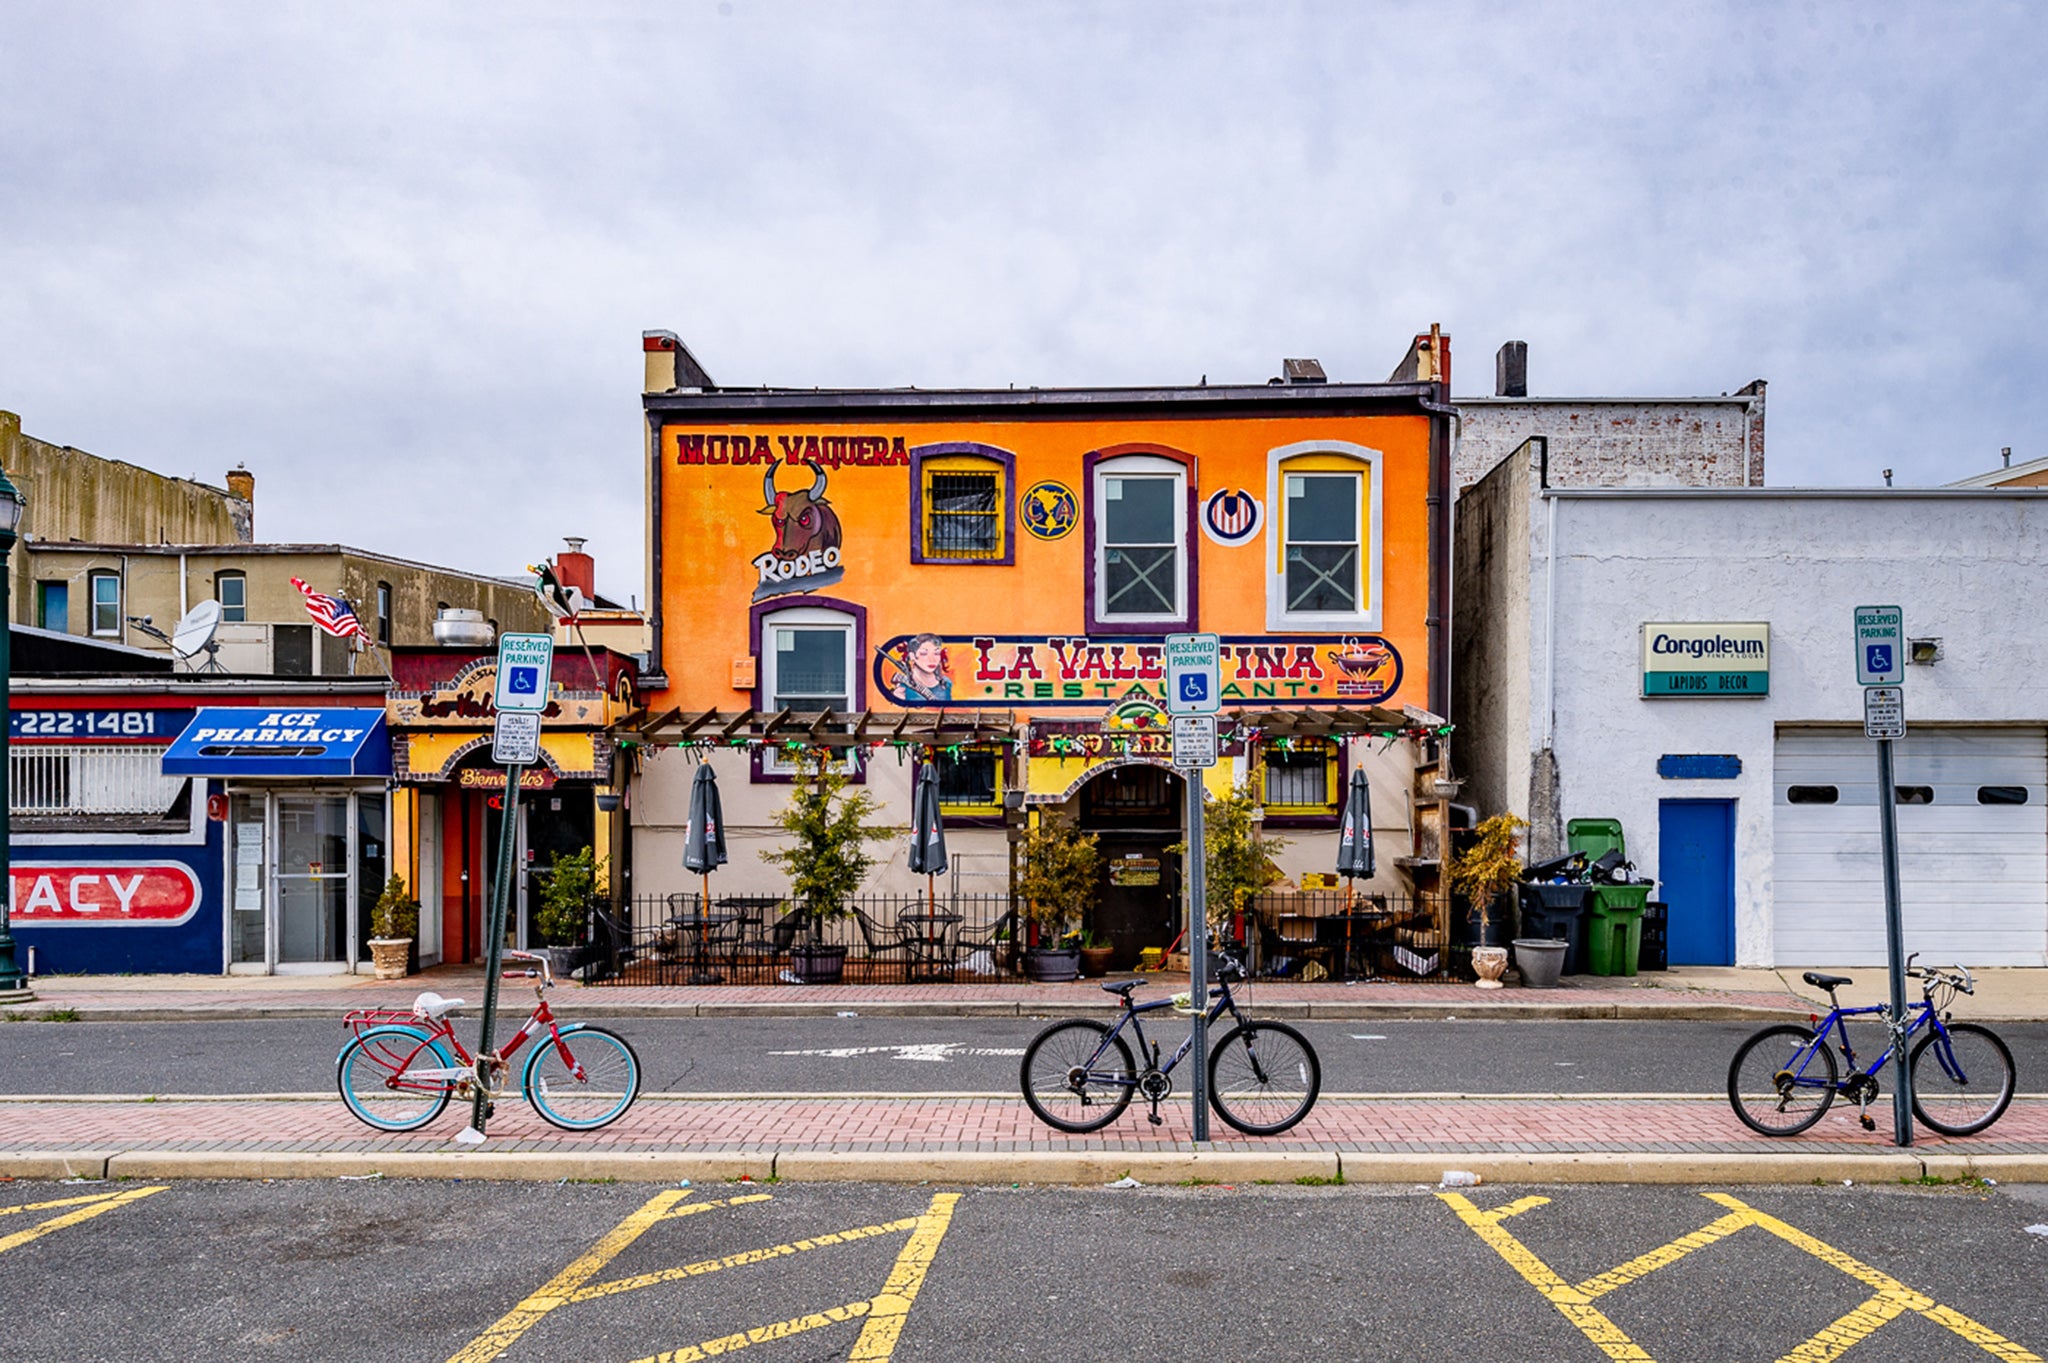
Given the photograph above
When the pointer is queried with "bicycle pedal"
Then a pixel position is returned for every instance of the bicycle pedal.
(1869, 1124)
(1155, 1119)
(490, 1110)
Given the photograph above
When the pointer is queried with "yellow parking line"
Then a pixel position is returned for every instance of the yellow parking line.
(99, 1205)
(1572, 1303)
(1852, 1328)
(59, 1202)
(561, 1288)
(1888, 1287)
(740, 1260)
(763, 1334)
(892, 1304)
(1661, 1257)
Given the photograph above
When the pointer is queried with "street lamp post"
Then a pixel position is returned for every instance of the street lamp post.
(12, 504)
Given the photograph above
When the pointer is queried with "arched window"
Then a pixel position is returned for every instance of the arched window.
(1140, 541)
(961, 494)
(1323, 553)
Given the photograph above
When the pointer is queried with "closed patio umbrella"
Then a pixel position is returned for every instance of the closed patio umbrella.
(704, 850)
(927, 840)
(1354, 845)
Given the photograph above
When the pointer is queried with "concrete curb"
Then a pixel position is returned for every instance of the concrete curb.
(1068, 1168)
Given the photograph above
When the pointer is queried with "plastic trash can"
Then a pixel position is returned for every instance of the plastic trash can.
(1656, 952)
(1558, 911)
(1615, 933)
(1594, 836)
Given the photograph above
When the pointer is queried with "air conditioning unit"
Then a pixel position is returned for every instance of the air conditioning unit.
(457, 628)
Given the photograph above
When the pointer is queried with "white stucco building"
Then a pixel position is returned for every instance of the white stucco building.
(1757, 813)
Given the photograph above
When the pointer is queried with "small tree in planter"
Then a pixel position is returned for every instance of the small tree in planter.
(394, 922)
(563, 919)
(827, 857)
(1237, 861)
(1482, 871)
(1062, 866)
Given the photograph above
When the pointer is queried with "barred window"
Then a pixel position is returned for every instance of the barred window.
(970, 781)
(1302, 777)
(963, 514)
(78, 778)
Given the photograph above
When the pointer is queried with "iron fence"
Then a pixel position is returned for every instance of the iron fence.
(680, 939)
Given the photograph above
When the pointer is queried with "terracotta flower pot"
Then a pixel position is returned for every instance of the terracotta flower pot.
(1095, 961)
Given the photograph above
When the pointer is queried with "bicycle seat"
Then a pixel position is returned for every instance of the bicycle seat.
(1123, 987)
(432, 1005)
(1828, 982)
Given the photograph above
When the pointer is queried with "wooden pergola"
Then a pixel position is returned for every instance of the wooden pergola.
(817, 728)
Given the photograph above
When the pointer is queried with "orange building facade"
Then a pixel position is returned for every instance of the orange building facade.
(1023, 554)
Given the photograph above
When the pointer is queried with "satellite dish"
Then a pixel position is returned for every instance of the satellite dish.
(194, 635)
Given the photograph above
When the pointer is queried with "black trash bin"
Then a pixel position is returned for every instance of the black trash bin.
(1656, 951)
(1558, 911)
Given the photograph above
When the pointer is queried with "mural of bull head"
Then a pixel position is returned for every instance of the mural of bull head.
(804, 521)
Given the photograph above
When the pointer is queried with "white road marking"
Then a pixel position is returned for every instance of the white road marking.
(931, 1052)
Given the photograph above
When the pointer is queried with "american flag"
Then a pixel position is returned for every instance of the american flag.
(331, 613)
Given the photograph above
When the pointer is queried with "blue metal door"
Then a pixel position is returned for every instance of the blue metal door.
(1696, 878)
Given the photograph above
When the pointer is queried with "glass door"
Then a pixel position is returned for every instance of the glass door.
(312, 879)
(248, 944)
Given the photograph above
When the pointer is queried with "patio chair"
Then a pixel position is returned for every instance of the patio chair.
(981, 952)
(884, 942)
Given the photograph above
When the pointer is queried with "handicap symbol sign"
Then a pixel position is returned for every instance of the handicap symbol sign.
(525, 680)
(1194, 687)
(1877, 658)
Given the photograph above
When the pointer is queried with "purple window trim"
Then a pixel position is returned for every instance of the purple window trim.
(1191, 542)
(1005, 503)
(757, 614)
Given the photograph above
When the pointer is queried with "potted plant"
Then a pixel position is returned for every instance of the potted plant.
(1238, 860)
(1095, 954)
(1483, 871)
(1058, 883)
(827, 860)
(566, 898)
(394, 921)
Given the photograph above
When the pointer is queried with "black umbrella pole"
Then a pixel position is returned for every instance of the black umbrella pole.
(494, 943)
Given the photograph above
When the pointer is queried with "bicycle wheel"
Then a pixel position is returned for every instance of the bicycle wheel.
(371, 1074)
(1775, 1090)
(1077, 1077)
(610, 1080)
(1263, 1078)
(1961, 1088)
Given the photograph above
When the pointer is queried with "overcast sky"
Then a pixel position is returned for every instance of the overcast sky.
(396, 258)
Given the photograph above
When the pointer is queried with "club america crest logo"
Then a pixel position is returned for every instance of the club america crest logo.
(1232, 517)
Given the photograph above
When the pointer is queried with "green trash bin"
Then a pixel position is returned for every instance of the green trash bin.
(1594, 837)
(1615, 928)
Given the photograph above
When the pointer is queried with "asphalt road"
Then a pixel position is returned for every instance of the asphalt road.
(395, 1270)
(904, 1055)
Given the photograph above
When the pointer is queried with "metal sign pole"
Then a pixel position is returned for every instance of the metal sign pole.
(1895, 946)
(494, 943)
(1198, 950)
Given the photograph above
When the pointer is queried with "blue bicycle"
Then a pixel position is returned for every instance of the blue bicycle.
(1079, 1076)
(1784, 1078)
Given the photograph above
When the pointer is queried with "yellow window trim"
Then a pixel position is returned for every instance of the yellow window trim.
(1329, 806)
(963, 463)
(994, 806)
(1329, 463)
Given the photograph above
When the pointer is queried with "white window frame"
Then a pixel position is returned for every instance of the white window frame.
(220, 582)
(1141, 466)
(1369, 464)
(773, 761)
(92, 603)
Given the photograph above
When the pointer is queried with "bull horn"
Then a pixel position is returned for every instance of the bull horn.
(768, 486)
(817, 487)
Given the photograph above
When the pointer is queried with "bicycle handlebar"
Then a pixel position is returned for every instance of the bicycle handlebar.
(545, 974)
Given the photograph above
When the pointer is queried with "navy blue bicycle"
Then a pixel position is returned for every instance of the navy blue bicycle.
(1079, 1075)
(1784, 1078)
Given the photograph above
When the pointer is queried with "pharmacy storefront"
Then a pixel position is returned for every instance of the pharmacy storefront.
(303, 796)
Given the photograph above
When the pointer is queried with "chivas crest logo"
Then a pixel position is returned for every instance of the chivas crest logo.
(1232, 517)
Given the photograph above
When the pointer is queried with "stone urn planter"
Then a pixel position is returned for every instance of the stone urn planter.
(1541, 960)
(817, 964)
(1052, 965)
(1489, 964)
(391, 957)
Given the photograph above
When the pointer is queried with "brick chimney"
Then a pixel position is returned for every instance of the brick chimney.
(242, 485)
(574, 568)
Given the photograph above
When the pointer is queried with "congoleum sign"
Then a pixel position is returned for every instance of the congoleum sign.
(1707, 661)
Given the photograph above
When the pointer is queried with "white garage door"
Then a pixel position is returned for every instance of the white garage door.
(1973, 847)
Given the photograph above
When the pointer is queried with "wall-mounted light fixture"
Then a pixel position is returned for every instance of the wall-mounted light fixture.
(1923, 651)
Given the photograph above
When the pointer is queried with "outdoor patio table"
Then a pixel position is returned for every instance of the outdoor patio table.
(699, 924)
(932, 940)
